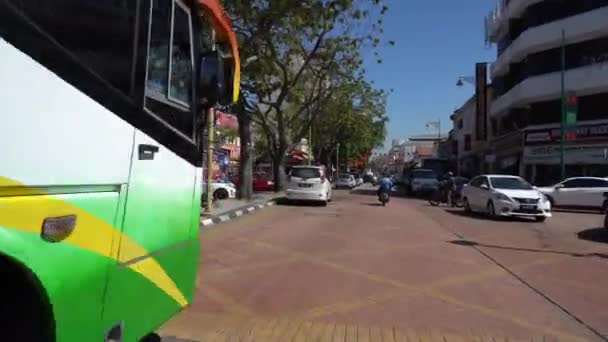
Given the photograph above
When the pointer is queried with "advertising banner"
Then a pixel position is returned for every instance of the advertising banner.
(481, 101)
(573, 154)
(590, 133)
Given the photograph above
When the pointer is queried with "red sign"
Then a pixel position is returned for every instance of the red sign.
(570, 136)
(591, 133)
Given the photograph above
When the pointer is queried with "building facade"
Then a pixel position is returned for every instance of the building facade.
(530, 37)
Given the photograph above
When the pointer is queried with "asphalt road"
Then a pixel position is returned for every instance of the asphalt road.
(356, 271)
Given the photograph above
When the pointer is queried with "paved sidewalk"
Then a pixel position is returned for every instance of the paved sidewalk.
(228, 209)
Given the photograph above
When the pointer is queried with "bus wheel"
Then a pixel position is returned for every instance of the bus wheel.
(25, 314)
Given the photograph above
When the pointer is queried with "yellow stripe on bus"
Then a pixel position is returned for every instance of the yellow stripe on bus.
(90, 233)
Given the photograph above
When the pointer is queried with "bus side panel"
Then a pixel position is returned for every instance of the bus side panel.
(73, 272)
(158, 216)
(52, 134)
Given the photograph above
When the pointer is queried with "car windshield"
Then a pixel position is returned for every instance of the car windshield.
(306, 172)
(424, 174)
(345, 177)
(509, 183)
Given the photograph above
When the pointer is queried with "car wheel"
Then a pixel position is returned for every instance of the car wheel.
(551, 201)
(540, 218)
(491, 211)
(466, 205)
(221, 194)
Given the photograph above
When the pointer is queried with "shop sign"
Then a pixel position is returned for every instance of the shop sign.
(573, 154)
(583, 133)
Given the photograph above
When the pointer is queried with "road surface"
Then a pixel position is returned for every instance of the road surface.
(355, 271)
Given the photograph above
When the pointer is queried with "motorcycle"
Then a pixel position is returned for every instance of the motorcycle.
(441, 196)
(383, 197)
(605, 209)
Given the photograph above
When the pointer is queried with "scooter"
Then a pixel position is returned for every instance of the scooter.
(605, 209)
(383, 198)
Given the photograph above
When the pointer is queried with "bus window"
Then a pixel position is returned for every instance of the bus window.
(170, 63)
(180, 73)
(94, 31)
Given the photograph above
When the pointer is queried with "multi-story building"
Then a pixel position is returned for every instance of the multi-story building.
(529, 36)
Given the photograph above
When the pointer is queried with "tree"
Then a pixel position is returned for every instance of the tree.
(304, 50)
(354, 117)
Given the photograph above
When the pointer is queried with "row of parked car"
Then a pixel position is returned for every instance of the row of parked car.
(506, 195)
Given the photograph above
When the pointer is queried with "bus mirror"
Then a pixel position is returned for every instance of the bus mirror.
(211, 79)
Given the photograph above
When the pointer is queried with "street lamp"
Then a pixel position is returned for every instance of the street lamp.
(462, 79)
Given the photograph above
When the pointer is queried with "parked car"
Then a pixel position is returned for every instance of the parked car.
(500, 195)
(309, 183)
(422, 181)
(577, 192)
(346, 180)
(262, 182)
(357, 177)
(220, 189)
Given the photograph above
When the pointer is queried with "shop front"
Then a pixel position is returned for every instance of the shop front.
(585, 154)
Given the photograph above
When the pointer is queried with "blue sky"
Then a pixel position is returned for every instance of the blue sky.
(436, 42)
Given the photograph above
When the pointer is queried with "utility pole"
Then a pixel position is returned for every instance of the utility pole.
(562, 125)
(210, 123)
(310, 153)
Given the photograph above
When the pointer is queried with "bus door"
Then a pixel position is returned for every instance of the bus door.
(158, 251)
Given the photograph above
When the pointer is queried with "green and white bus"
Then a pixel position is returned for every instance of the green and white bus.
(102, 108)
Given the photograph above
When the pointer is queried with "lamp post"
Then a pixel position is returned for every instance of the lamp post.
(462, 79)
(562, 125)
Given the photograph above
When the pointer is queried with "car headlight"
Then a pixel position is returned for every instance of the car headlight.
(502, 197)
(543, 197)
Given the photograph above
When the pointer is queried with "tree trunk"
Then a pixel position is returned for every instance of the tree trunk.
(246, 158)
(278, 169)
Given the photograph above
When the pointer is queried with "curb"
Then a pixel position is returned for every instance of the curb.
(238, 212)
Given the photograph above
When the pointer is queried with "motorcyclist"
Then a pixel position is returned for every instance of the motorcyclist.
(386, 185)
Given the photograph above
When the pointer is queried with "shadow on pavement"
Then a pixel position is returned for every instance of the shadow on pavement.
(372, 204)
(599, 234)
(578, 210)
(469, 243)
(293, 203)
(479, 216)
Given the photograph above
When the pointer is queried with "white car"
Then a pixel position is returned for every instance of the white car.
(309, 183)
(577, 192)
(346, 181)
(502, 195)
(220, 190)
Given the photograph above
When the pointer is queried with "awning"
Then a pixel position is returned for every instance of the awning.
(224, 34)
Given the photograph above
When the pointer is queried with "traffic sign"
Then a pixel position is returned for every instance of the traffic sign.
(571, 110)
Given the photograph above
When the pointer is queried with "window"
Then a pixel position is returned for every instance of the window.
(510, 183)
(100, 34)
(574, 183)
(424, 174)
(476, 182)
(180, 73)
(467, 142)
(307, 172)
(460, 124)
(169, 82)
(592, 183)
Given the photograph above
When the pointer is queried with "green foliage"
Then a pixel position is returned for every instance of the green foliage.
(309, 57)
(354, 118)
